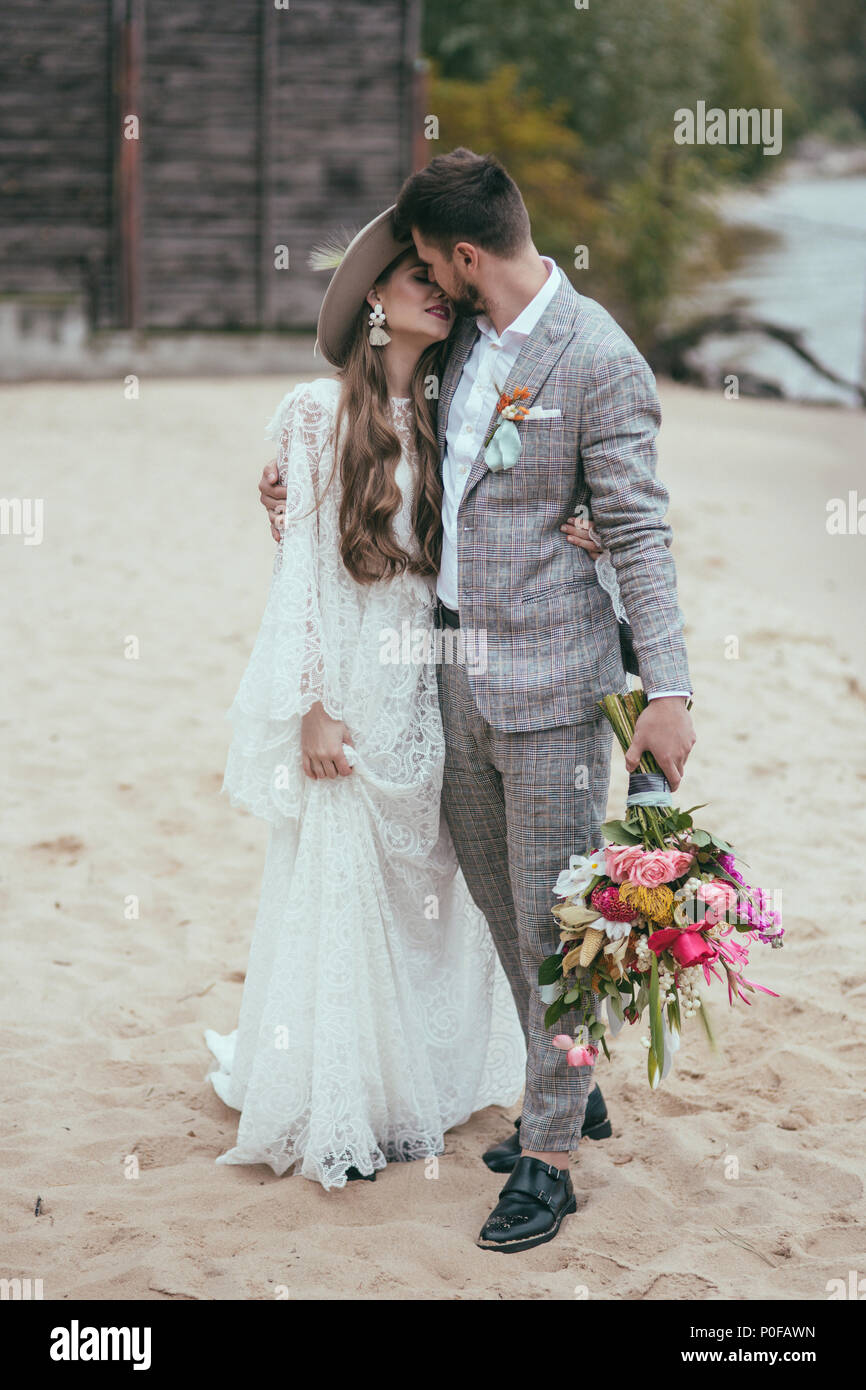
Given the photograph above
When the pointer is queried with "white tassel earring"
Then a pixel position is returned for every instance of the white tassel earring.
(378, 336)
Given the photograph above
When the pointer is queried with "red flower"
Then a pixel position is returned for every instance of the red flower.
(687, 947)
(611, 906)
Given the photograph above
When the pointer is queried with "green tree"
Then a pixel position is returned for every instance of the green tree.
(580, 106)
(747, 76)
(541, 152)
(638, 235)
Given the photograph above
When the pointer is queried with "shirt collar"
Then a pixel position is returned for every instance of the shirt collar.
(528, 317)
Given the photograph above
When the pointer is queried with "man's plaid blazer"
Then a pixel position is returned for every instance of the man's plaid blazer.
(552, 636)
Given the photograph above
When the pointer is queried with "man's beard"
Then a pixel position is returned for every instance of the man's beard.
(465, 297)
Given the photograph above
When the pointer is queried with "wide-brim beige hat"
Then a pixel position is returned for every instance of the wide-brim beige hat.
(365, 257)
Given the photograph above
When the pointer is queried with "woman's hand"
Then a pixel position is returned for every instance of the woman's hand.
(579, 531)
(322, 740)
(273, 498)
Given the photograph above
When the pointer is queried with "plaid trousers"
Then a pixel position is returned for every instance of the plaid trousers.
(516, 815)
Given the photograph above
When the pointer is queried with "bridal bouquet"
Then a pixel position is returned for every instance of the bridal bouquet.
(648, 918)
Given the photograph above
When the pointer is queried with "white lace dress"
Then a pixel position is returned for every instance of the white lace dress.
(375, 1014)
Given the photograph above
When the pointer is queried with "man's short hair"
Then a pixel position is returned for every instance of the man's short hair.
(464, 196)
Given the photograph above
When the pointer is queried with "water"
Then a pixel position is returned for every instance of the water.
(812, 279)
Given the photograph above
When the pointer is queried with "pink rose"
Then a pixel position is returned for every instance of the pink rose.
(619, 859)
(563, 1041)
(719, 897)
(680, 861)
(582, 1056)
(657, 866)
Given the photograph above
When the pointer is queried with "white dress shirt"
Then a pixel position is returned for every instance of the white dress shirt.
(484, 375)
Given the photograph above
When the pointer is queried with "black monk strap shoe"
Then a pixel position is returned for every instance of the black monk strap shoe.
(531, 1207)
(596, 1125)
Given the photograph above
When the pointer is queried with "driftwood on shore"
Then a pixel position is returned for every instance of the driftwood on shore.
(670, 354)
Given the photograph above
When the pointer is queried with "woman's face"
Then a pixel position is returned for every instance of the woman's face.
(414, 307)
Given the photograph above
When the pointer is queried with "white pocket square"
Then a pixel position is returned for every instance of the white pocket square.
(538, 412)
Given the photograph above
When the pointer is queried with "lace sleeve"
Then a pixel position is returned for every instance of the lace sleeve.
(296, 429)
(608, 580)
(301, 427)
(294, 663)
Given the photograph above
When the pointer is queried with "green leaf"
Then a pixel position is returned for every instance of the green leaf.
(701, 837)
(572, 996)
(616, 831)
(554, 1012)
(604, 1045)
(642, 998)
(616, 1005)
(657, 1035)
(723, 873)
(674, 1016)
(596, 1030)
(550, 970)
(654, 1071)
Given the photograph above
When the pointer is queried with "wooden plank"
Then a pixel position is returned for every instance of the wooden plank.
(268, 37)
(259, 127)
(127, 55)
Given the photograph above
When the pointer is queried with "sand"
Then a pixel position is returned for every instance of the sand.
(129, 887)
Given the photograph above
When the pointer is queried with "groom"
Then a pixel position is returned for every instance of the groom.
(527, 749)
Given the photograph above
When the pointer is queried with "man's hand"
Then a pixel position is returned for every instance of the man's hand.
(322, 740)
(273, 496)
(664, 729)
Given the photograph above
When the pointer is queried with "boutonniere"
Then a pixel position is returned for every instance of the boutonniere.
(502, 445)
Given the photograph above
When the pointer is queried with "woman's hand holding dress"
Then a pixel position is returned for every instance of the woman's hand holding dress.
(322, 740)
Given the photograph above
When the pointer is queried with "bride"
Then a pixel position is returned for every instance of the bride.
(375, 1014)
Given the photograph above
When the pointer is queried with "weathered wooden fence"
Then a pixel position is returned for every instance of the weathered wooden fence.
(257, 127)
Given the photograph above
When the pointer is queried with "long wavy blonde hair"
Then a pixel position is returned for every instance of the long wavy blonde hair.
(368, 456)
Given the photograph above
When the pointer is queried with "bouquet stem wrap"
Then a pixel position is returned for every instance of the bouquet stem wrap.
(648, 786)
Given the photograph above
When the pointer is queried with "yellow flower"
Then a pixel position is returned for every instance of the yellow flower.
(655, 903)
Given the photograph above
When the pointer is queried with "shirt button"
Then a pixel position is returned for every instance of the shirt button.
(468, 429)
